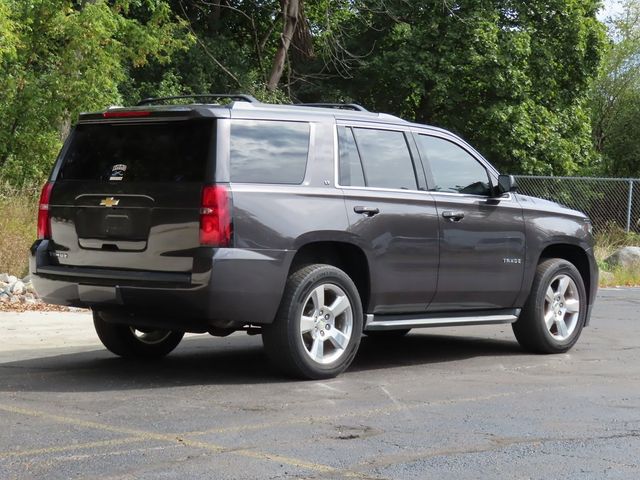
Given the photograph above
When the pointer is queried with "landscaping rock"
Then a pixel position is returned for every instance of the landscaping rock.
(625, 257)
(19, 295)
(30, 299)
(14, 291)
(17, 288)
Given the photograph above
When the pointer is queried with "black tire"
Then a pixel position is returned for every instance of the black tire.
(387, 333)
(122, 340)
(289, 348)
(531, 330)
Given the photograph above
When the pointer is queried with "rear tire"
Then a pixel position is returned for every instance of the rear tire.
(317, 329)
(552, 319)
(131, 342)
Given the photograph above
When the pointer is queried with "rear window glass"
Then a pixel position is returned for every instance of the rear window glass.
(158, 152)
(268, 151)
(351, 174)
(386, 159)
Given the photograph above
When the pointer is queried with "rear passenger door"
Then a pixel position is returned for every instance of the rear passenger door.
(482, 243)
(391, 214)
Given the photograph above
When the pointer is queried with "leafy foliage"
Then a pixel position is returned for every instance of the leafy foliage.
(510, 76)
(615, 97)
(63, 57)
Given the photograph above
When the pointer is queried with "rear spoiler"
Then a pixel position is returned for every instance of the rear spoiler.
(152, 113)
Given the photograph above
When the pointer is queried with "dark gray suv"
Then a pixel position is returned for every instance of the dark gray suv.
(309, 224)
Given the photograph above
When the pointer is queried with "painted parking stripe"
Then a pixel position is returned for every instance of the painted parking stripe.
(143, 435)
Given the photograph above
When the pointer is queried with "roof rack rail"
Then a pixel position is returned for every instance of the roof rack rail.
(233, 96)
(339, 106)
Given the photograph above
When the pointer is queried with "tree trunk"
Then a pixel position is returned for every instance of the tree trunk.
(214, 18)
(290, 12)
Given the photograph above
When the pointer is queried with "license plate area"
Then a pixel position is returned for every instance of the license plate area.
(117, 225)
(113, 224)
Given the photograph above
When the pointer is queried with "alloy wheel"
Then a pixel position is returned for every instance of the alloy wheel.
(326, 323)
(561, 307)
(150, 337)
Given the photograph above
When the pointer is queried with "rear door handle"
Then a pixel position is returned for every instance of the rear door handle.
(368, 211)
(453, 216)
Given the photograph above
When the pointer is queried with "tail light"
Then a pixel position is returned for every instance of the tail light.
(215, 216)
(126, 114)
(44, 222)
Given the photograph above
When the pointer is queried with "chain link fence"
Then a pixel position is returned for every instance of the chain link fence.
(609, 202)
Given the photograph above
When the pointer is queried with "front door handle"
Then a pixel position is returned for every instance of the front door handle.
(453, 216)
(368, 211)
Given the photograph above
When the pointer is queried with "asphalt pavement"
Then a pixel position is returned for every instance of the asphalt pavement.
(459, 403)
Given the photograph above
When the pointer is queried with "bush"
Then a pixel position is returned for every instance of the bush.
(18, 213)
(608, 240)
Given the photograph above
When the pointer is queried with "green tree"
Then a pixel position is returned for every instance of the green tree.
(615, 97)
(241, 45)
(510, 76)
(62, 57)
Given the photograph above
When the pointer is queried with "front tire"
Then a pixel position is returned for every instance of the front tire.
(130, 342)
(552, 319)
(317, 329)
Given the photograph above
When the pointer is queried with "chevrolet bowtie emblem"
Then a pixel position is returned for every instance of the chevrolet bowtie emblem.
(109, 202)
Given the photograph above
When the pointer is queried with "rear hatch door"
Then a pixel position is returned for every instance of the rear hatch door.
(127, 194)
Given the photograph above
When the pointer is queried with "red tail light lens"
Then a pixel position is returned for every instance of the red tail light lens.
(215, 216)
(126, 114)
(44, 223)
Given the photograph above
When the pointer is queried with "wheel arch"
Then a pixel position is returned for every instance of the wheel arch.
(572, 254)
(344, 255)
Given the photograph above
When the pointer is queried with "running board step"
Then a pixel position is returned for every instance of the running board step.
(395, 322)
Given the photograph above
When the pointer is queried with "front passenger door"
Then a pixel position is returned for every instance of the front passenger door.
(482, 242)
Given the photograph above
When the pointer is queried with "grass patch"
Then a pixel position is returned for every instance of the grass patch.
(620, 277)
(608, 241)
(18, 214)
(612, 238)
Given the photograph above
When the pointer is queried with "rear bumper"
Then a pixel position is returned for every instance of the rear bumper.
(229, 288)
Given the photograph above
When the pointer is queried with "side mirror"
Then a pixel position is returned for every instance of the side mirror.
(506, 184)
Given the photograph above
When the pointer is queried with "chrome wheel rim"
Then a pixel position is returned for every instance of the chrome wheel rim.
(150, 337)
(326, 323)
(561, 307)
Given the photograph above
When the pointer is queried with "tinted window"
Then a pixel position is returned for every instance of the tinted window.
(350, 166)
(268, 152)
(158, 152)
(454, 170)
(385, 158)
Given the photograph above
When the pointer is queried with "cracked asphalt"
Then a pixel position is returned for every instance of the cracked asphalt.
(461, 403)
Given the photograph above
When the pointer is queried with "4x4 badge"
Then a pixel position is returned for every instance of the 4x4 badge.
(109, 202)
